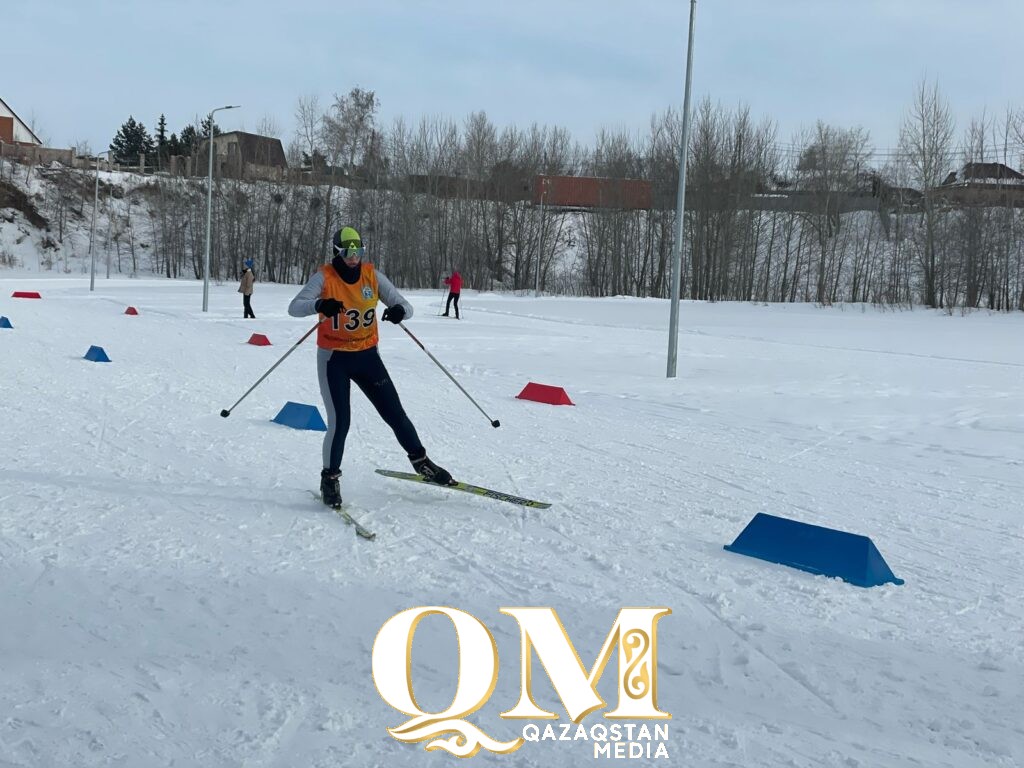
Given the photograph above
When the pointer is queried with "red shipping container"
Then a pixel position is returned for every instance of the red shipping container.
(592, 192)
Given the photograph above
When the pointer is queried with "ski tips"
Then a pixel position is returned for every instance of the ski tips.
(225, 413)
(495, 423)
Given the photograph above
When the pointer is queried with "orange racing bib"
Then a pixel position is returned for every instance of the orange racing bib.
(355, 329)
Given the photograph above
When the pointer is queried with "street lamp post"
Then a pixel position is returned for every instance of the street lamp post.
(540, 249)
(677, 245)
(209, 215)
(92, 234)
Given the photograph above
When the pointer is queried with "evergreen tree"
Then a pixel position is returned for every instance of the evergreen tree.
(192, 139)
(131, 141)
(317, 161)
(161, 143)
(174, 146)
(204, 129)
(189, 140)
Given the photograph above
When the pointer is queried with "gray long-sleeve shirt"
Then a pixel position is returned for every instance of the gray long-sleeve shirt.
(304, 301)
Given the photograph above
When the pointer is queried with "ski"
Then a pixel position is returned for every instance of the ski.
(345, 515)
(474, 489)
(360, 530)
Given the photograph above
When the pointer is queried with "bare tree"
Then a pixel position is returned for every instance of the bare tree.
(926, 141)
(268, 126)
(35, 126)
(1003, 290)
(830, 169)
(308, 124)
(347, 130)
(729, 161)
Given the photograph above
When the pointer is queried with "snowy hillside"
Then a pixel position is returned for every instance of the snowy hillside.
(46, 221)
(173, 595)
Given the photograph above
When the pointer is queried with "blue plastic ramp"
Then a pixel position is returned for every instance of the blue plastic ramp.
(300, 416)
(814, 549)
(97, 355)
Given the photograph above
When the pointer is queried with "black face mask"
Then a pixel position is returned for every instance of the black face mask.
(349, 274)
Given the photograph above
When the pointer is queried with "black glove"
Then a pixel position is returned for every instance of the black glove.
(329, 307)
(394, 314)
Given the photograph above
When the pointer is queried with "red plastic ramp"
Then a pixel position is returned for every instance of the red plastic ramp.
(259, 340)
(26, 295)
(544, 393)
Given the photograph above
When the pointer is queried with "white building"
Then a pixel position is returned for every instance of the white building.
(13, 129)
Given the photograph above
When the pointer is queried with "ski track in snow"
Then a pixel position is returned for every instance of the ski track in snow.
(174, 596)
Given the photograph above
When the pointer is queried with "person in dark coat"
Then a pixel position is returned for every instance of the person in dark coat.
(245, 288)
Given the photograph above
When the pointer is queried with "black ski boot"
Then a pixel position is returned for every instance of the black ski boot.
(429, 470)
(330, 487)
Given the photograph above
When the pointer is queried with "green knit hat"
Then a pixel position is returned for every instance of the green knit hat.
(347, 237)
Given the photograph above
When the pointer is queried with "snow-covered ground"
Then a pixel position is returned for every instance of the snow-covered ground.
(172, 594)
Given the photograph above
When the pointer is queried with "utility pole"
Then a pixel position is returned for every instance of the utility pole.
(677, 245)
(209, 215)
(92, 233)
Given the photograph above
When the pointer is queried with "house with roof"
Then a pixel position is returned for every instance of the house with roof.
(984, 173)
(982, 185)
(241, 155)
(14, 130)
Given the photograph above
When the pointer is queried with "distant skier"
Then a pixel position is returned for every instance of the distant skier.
(245, 288)
(347, 291)
(454, 284)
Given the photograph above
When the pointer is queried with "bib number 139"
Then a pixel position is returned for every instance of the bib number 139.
(354, 319)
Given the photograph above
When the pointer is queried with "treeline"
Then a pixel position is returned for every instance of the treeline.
(133, 140)
(932, 253)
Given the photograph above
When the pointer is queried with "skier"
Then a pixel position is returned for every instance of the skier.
(245, 288)
(347, 291)
(454, 284)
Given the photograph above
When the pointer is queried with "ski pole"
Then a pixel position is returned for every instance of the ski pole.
(227, 411)
(444, 295)
(494, 422)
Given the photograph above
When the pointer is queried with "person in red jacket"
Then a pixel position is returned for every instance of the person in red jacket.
(454, 284)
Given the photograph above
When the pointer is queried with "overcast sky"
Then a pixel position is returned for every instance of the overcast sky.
(79, 68)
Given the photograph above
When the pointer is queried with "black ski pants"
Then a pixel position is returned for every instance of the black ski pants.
(247, 307)
(452, 297)
(336, 371)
